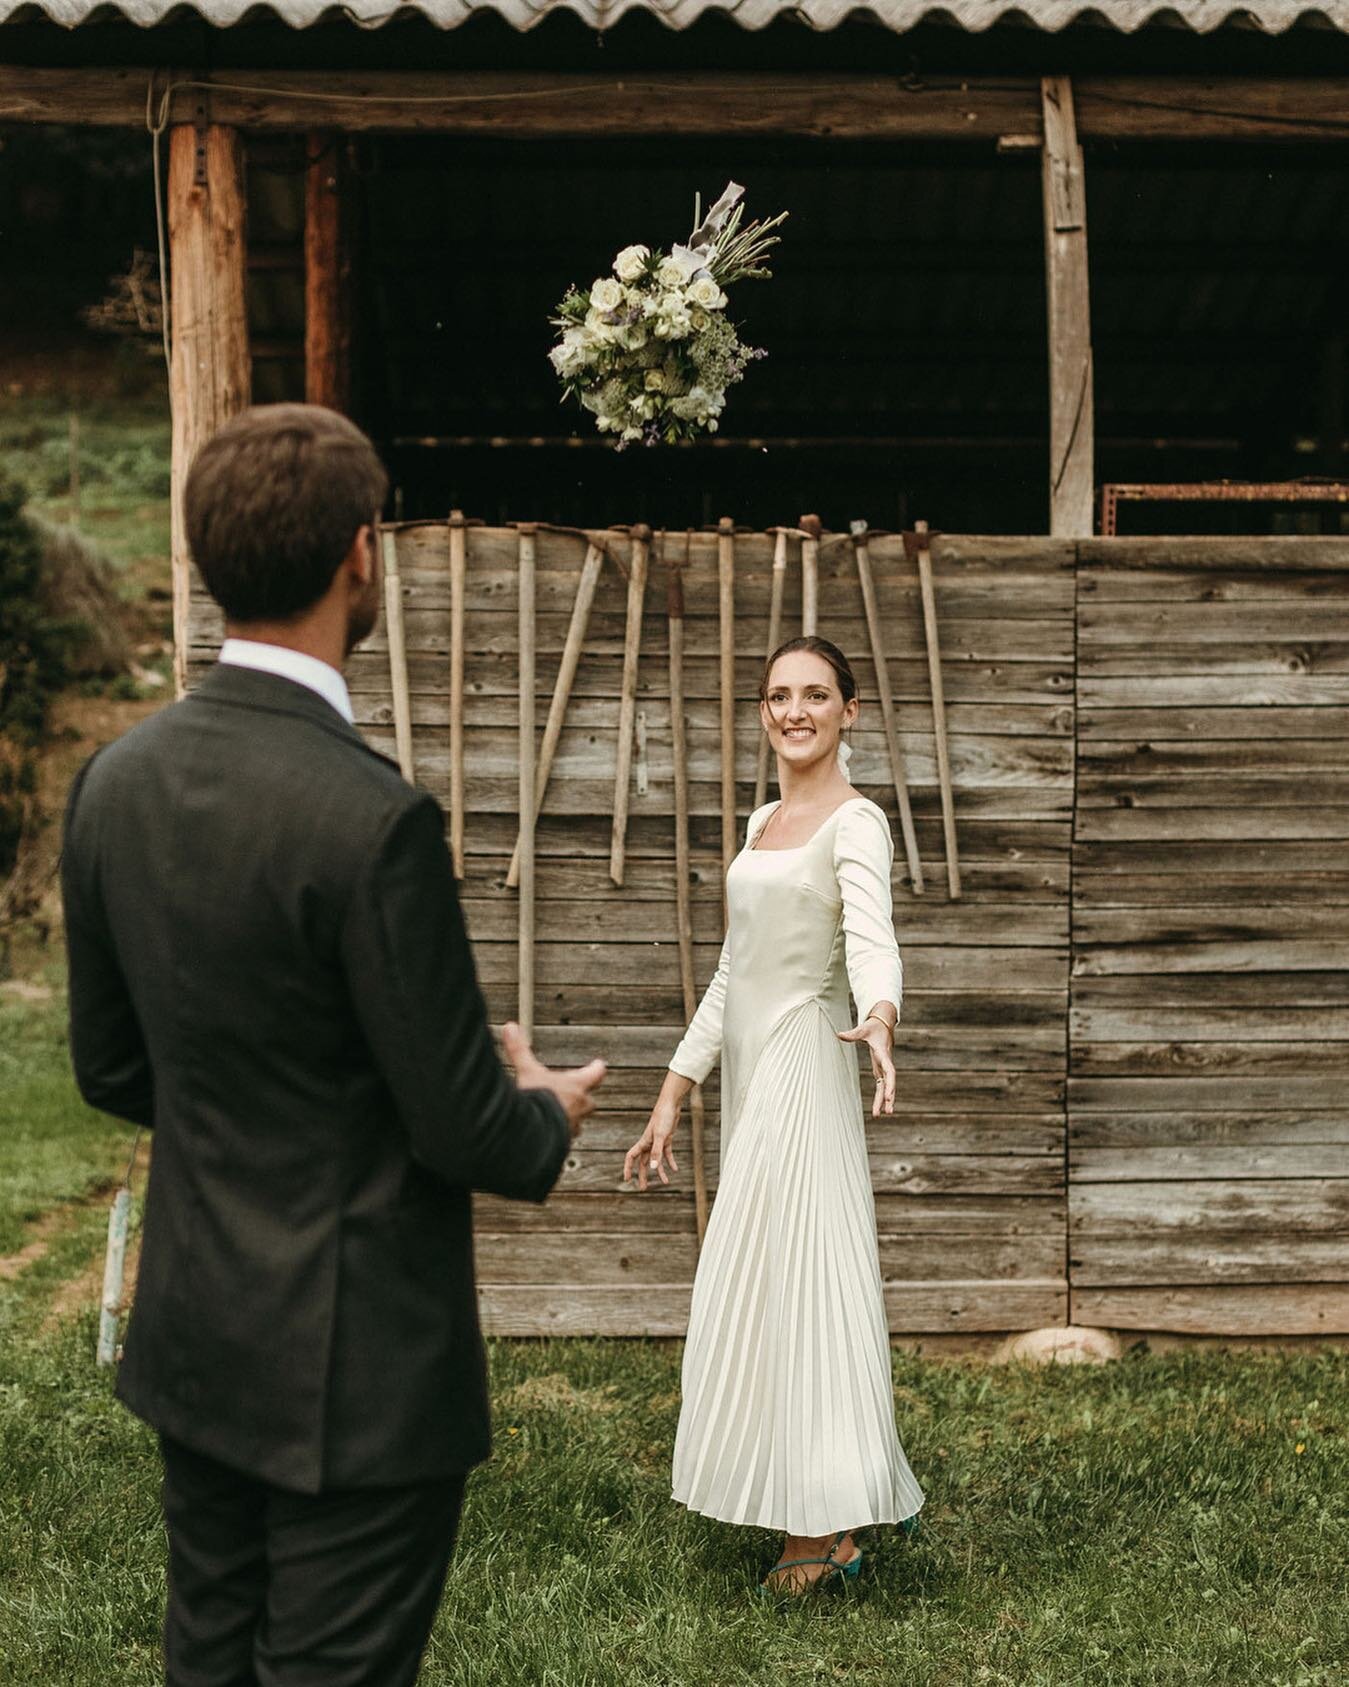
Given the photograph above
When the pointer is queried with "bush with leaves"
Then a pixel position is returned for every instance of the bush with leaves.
(34, 647)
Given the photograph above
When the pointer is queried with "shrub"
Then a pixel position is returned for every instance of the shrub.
(34, 653)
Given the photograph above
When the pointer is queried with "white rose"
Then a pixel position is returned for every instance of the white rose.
(630, 262)
(705, 293)
(572, 353)
(670, 274)
(655, 380)
(672, 321)
(601, 332)
(699, 319)
(606, 294)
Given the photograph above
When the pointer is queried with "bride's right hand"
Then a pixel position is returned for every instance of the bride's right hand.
(652, 1151)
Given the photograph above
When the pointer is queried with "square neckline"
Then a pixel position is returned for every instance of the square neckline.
(790, 849)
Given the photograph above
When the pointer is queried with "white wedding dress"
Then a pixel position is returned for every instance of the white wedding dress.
(787, 1419)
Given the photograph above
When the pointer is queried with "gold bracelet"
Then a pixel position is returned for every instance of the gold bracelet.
(889, 1027)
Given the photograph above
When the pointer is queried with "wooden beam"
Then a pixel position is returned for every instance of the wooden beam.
(1071, 415)
(839, 106)
(210, 374)
(327, 273)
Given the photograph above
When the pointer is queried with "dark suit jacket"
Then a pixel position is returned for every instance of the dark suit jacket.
(269, 965)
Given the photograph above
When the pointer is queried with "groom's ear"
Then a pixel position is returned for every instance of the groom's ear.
(363, 554)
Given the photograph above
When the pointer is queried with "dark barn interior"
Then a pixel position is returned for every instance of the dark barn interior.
(905, 325)
(907, 375)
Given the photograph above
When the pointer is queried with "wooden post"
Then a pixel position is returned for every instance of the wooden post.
(458, 587)
(683, 904)
(114, 1274)
(810, 575)
(566, 676)
(899, 771)
(210, 374)
(773, 641)
(726, 629)
(627, 707)
(1071, 418)
(525, 1011)
(327, 274)
(398, 659)
(948, 816)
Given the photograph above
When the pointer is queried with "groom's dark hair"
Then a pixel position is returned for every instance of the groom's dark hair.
(272, 504)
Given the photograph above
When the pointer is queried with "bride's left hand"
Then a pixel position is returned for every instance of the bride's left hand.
(878, 1038)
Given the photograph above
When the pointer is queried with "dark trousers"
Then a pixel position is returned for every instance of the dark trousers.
(269, 1588)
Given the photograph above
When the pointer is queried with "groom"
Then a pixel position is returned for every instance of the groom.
(268, 965)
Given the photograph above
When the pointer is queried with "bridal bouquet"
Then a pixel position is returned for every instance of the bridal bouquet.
(649, 350)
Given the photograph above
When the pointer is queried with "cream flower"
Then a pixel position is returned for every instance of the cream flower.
(630, 262)
(606, 294)
(672, 320)
(705, 293)
(601, 331)
(655, 380)
(670, 274)
(572, 353)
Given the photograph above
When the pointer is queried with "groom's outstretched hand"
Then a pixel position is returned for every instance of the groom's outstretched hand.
(574, 1086)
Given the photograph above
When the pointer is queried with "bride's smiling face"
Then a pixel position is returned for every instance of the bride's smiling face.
(803, 711)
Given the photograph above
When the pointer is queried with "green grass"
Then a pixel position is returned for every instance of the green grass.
(53, 1149)
(1148, 1522)
(124, 455)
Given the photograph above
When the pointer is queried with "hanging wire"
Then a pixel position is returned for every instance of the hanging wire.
(131, 1163)
(156, 124)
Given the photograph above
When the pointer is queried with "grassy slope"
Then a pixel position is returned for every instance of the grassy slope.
(1149, 1522)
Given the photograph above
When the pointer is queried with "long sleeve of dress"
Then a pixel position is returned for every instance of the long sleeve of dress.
(701, 1044)
(864, 852)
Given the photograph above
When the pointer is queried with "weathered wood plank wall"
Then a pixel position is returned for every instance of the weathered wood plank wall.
(1209, 1086)
(1150, 781)
(970, 1172)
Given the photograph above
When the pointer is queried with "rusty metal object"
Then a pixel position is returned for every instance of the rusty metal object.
(1114, 493)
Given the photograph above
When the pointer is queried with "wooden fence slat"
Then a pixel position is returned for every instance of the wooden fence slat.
(662, 1309)
(624, 1256)
(1284, 1309)
(1288, 1205)
(1103, 1262)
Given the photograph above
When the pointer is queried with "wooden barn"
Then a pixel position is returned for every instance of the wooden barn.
(1058, 354)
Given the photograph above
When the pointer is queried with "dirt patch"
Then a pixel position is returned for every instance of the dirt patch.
(81, 1292)
(54, 1223)
(44, 1230)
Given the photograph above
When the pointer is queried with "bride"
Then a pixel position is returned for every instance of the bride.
(787, 1420)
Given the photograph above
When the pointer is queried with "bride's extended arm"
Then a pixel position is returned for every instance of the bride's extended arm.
(863, 856)
(689, 1065)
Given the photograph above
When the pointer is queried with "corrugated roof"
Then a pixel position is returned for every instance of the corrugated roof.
(1202, 16)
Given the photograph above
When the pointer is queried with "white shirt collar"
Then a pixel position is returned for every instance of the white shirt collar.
(293, 665)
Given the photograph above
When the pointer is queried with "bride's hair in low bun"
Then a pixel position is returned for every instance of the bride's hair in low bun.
(847, 680)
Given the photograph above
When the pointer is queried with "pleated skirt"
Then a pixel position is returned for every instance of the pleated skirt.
(787, 1416)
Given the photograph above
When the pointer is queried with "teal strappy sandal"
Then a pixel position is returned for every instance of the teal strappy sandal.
(909, 1526)
(847, 1571)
